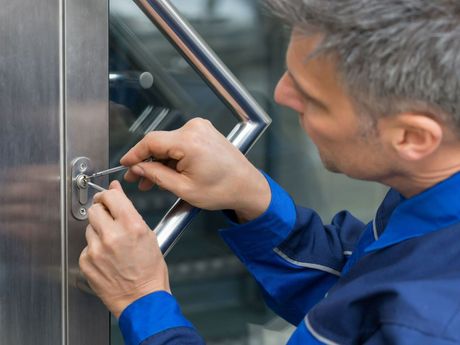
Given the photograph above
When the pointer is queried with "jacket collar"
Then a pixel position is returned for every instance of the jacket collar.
(400, 219)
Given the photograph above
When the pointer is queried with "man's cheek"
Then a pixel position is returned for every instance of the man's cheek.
(311, 129)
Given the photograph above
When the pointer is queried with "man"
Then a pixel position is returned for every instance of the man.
(376, 85)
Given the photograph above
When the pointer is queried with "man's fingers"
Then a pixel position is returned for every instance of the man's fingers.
(158, 144)
(116, 202)
(89, 271)
(92, 237)
(145, 185)
(116, 185)
(131, 177)
(100, 218)
(163, 176)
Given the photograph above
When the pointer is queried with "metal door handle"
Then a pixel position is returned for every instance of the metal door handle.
(253, 119)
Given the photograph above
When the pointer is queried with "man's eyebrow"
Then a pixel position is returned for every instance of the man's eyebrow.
(306, 94)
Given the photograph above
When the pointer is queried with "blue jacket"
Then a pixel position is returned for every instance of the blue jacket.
(393, 281)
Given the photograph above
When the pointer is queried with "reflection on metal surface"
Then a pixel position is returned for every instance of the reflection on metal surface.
(77, 279)
(253, 119)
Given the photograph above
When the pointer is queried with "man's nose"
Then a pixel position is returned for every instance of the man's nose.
(281, 90)
(287, 95)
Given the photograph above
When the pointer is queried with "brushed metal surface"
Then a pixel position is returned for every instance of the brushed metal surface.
(86, 127)
(30, 225)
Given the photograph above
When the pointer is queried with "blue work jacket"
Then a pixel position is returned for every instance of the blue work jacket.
(395, 280)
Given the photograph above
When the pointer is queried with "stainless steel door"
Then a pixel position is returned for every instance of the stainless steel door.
(53, 97)
(31, 290)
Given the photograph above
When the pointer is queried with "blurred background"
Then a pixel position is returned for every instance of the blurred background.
(153, 88)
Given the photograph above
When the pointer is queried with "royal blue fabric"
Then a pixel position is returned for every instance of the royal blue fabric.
(399, 286)
(175, 336)
(151, 314)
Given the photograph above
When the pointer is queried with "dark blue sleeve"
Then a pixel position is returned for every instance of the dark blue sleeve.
(156, 319)
(294, 257)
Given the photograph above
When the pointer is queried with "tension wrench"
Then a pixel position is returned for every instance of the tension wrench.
(96, 186)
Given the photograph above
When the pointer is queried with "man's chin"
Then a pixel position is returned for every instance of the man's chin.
(330, 166)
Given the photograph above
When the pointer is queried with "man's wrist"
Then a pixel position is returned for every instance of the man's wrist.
(118, 305)
(256, 199)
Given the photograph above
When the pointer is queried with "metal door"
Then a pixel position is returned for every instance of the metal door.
(54, 106)
(54, 96)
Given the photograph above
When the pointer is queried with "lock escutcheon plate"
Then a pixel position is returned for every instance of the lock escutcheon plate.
(82, 195)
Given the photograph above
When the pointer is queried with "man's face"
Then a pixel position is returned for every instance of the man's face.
(312, 88)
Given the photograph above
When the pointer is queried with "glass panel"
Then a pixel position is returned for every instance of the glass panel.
(152, 88)
(214, 289)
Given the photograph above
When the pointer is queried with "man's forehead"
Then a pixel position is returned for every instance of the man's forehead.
(303, 45)
(317, 75)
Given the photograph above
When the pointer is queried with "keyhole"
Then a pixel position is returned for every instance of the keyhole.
(82, 184)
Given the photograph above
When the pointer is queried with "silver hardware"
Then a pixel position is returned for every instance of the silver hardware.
(132, 78)
(83, 166)
(96, 187)
(108, 171)
(82, 185)
(146, 80)
(253, 119)
(82, 195)
(82, 181)
(115, 170)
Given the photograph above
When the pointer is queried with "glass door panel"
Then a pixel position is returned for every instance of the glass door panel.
(152, 87)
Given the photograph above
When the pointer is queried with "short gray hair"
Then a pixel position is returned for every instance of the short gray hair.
(393, 55)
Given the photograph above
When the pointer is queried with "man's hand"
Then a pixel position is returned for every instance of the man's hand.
(122, 261)
(199, 165)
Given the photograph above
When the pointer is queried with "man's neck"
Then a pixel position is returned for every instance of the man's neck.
(425, 175)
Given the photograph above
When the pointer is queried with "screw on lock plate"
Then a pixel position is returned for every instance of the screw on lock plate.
(81, 193)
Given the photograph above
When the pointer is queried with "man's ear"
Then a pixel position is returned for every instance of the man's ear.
(412, 136)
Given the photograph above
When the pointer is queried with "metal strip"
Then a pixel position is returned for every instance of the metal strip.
(63, 177)
(374, 229)
(307, 264)
(254, 120)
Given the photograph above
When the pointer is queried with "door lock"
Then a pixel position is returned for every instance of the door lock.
(81, 193)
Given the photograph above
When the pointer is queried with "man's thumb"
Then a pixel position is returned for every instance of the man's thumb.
(116, 185)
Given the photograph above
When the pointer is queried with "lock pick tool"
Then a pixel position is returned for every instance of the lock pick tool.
(114, 170)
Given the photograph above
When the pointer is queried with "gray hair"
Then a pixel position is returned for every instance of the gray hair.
(393, 55)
